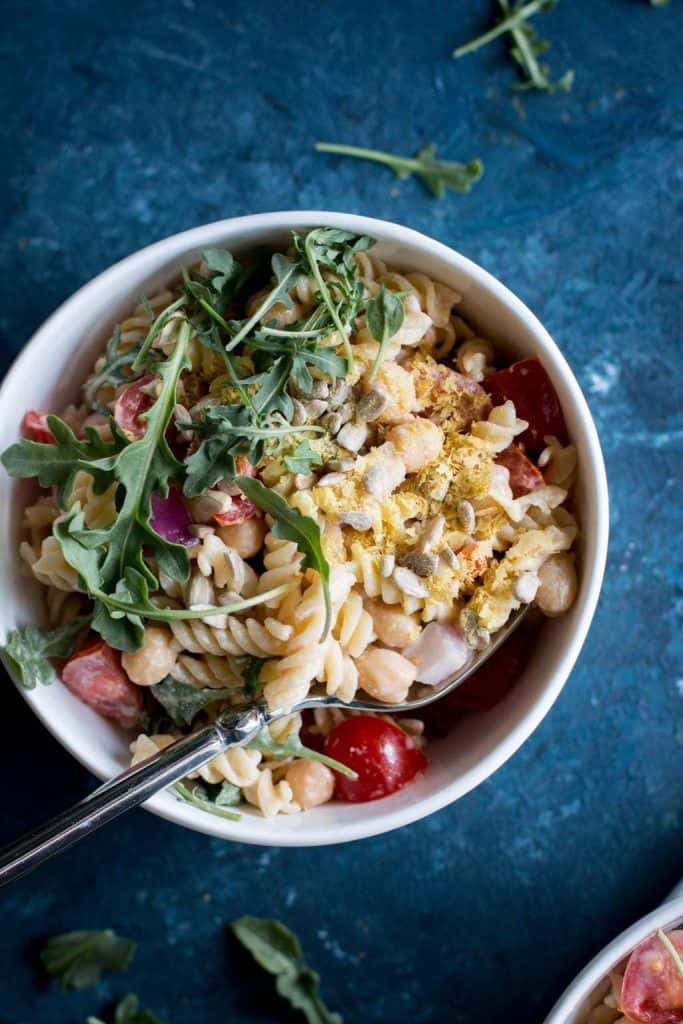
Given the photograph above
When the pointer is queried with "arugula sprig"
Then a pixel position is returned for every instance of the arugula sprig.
(182, 702)
(117, 368)
(30, 649)
(526, 46)
(78, 958)
(275, 948)
(214, 799)
(435, 175)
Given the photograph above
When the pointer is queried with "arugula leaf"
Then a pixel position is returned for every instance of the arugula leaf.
(55, 465)
(250, 673)
(302, 458)
(436, 175)
(29, 650)
(227, 272)
(129, 1011)
(183, 702)
(286, 274)
(290, 524)
(200, 797)
(277, 950)
(293, 747)
(385, 317)
(335, 250)
(526, 45)
(78, 958)
(117, 368)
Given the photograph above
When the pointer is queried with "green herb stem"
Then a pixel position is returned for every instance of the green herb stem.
(177, 614)
(157, 326)
(671, 950)
(186, 794)
(327, 298)
(508, 24)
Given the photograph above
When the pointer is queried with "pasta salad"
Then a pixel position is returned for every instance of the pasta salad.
(291, 471)
(648, 988)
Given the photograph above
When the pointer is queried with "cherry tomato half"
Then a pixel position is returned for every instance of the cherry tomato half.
(34, 427)
(131, 404)
(384, 757)
(528, 385)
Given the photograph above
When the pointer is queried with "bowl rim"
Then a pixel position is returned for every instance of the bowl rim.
(146, 262)
(572, 1000)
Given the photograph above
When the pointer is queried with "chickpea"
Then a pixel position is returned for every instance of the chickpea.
(245, 538)
(399, 387)
(393, 627)
(154, 660)
(385, 675)
(417, 442)
(311, 783)
(558, 586)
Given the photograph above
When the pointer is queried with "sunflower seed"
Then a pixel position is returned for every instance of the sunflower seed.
(333, 422)
(304, 481)
(372, 405)
(339, 393)
(315, 408)
(356, 520)
(340, 465)
(211, 503)
(387, 565)
(300, 416)
(353, 436)
(408, 582)
(466, 517)
(420, 563)
(450, 558)
(320, 389)
(331, 479)
(432, 533)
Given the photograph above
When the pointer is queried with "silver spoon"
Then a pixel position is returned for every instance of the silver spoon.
(233, 728)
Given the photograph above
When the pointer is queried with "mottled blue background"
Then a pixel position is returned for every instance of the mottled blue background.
(124, 122)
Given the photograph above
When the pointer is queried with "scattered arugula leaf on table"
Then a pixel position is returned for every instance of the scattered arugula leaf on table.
(435, 175)
(525, 45)
(129, 1011)
(277, 950)
(30, 649)
(78, 958)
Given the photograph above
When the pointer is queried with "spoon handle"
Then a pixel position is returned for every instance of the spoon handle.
(127, 790)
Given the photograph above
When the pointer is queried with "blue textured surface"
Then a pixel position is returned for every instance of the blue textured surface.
(126, 122)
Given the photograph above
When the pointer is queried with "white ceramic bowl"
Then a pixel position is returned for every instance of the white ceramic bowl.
(47, 375)
(590, 987)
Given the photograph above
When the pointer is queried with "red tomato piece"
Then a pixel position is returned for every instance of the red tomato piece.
(309, 735)
(384, 757)
(94, 675)
(528, 385)
(524, 476)
(652, 992)
(131, 404)
(240, 510)
(34, 427)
